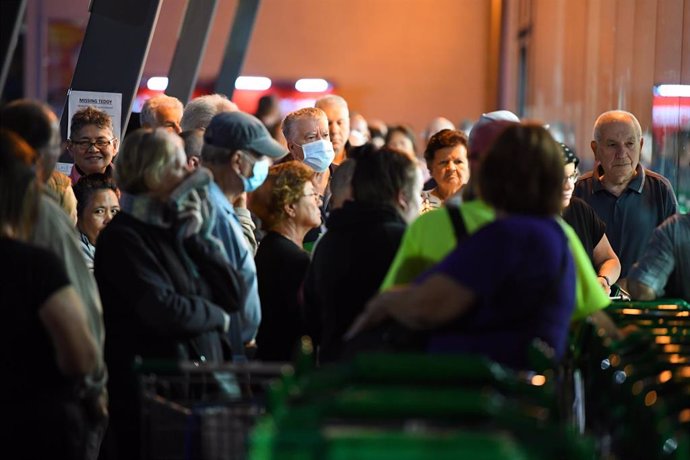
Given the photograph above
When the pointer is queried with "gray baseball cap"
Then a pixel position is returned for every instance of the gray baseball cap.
(241, 131)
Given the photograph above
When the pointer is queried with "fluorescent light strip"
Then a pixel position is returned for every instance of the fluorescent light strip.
(157, 83)
(253, 83)
(311, 85)
(673, 90)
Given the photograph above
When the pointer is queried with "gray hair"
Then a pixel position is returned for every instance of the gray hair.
(147, 117)
(292, 117)
(331, 99)
(615, 115)
(145, 157)
(199, 111)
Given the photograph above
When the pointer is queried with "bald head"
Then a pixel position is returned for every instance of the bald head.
(617, 146)
(438, 124)
(615, 116)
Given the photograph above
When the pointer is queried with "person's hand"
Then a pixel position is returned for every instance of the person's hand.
(190, 215)
(374, 313)
(604, 285)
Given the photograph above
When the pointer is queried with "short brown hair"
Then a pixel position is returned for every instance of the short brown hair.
(90, 116)
(441, 140)
(522, 173)
(284, 186)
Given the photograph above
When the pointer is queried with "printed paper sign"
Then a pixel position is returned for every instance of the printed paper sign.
(111, 103)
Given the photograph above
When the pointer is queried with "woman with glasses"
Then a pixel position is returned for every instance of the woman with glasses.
(288, 206)
(588, 226)
(91, 143)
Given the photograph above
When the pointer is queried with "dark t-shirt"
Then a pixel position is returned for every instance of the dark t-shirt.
(630, 218)
(522, 272)
(30, 275)
(280, 268)
(589, 228)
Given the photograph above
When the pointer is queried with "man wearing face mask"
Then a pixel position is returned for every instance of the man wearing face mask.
(308, 140)
(238, 149)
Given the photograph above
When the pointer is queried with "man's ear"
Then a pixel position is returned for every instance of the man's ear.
(236, 162)
(193, 162)
(593, 146)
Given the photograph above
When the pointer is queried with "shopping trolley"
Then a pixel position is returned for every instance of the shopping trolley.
(201, 411)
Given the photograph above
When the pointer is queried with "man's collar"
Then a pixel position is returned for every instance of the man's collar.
(636, 183)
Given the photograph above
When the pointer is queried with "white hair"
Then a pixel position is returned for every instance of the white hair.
(331, 99)
(151, 106)
(200, 110)
(615, 115)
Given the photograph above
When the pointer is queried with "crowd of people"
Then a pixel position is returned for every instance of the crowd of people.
(213, 235)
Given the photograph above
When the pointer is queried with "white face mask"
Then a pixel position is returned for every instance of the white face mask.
(318, 155)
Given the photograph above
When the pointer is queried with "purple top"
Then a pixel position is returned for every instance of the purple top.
(522, 272)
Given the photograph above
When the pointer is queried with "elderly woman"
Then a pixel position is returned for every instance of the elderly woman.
(291, 209)
(510, 282)
(446, 158)
(148, 266)
(589, 228)
(98, 200)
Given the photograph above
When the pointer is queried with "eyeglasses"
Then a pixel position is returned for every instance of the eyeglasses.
(572, 178)
(316, 195)
(86, 144)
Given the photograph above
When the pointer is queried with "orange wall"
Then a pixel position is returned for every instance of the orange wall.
(397, 60)
(589, 56)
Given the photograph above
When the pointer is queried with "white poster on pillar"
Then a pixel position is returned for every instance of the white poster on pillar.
(110, 103)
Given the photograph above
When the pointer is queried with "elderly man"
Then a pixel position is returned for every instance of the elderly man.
(435, 234)
(308, 140)
(630, 199)
(199, 111)
(162, 112)
(238, 149)
(338, 115)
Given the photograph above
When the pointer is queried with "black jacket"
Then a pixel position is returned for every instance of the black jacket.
(155, 307)
(347, 269)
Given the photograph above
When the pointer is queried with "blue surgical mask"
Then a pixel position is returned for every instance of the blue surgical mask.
(318, 155)
(259, 174)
